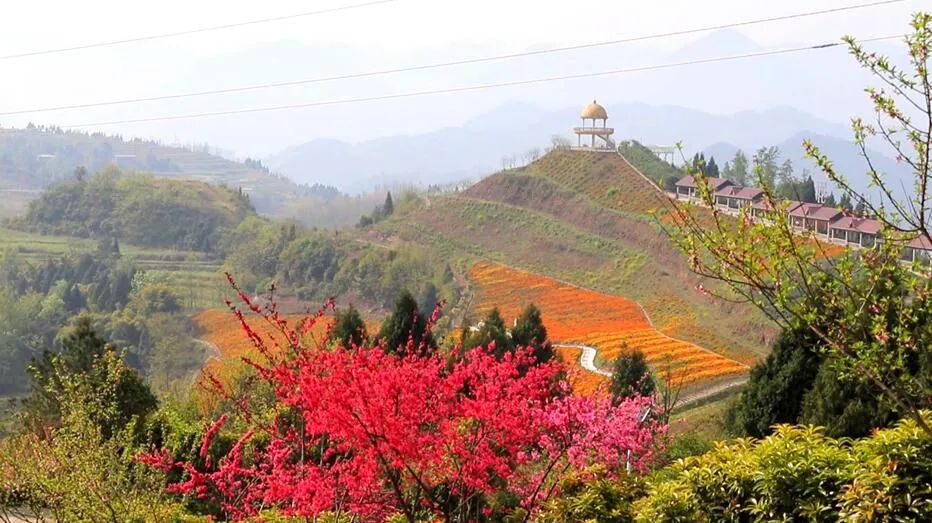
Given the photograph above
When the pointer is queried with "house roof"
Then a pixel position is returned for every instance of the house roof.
(815, 211)
(764, 205)
(922, 242)
(742, 193)
(714, 183)
(854, 223)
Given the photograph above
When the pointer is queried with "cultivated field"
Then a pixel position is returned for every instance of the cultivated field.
(610, 323)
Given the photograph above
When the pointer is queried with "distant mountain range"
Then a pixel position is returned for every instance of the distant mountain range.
(477, 148)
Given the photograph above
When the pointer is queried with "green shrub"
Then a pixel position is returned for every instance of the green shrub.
(799, 474)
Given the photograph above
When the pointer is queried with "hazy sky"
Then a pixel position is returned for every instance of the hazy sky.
(397, 33)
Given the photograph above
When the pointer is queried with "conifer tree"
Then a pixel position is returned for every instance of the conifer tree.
(530, 332)
(406, 322)
(631, 376)
(389, 206)
(349, 330)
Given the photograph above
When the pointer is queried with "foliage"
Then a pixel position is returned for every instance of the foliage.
(879, 310)
(529, 331)
(774, 394)
(349, 330)
(406, 329)
(593, 496)
(630, 376)
(138, 208)
(800, 474)
(86, 365)
(647, 162)
(372, 433)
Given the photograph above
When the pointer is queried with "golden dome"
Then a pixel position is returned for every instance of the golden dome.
(594, 110)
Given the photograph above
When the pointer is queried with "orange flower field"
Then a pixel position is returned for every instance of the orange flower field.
(609, 323)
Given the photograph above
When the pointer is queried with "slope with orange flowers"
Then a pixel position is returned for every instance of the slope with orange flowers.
(610, 323)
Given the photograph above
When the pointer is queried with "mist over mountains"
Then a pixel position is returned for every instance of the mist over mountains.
(477, 148)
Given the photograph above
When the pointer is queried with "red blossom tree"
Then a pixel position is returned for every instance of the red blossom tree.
(368, 433)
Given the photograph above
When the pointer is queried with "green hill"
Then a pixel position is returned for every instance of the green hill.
(140, 209)
(587, 218)
(36, 157)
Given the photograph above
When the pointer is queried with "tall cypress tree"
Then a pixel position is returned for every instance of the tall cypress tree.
(530, 332)
(406, 322)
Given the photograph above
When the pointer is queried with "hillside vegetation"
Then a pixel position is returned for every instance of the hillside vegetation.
(140, 209)
(589, 219)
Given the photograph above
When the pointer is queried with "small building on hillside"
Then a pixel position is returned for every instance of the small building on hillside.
(594, 129)
(814, 217)
(763, 210)
(735, 197)
(919, 250)
(855, 231)
(686, 186)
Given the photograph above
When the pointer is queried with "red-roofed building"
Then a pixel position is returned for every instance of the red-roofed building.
(763, 209)
(852, 230)
(686, 187)
(814, 217)
(737, 197)
(919, 250)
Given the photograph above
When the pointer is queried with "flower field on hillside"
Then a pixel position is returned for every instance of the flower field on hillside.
(609, 323)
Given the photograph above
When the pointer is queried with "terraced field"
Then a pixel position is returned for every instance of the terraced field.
(195, 278)
(610, 323)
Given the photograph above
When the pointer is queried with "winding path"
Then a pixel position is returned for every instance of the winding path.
(587, 362)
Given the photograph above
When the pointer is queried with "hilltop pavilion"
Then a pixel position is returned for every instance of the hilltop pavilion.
(599, 137)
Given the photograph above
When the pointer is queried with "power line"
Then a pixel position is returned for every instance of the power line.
(438, 65)
(193, 31)
(480, 87)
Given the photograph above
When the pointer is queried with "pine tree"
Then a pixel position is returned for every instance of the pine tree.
(349, 331)
(529, 331)
(631, 376)
(492, 330)
(775, 391)
(861, 208)
(830, 200)
(406, 322)
(711, 169)
(807, 191)
(389, 206)
(845, 202)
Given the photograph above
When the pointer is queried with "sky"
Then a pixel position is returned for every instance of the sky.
(397, 33)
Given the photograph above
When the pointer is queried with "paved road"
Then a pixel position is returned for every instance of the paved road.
(587, 362)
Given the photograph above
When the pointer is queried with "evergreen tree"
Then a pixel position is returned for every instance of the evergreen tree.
(775, 391)
(861, 208)
(843, 407)
(808, 191)
(406, 322)
(349, 330)
(492, 330)
(389, 206)
(830, 200)
(529, 331)
(711, 169)
(631, 376)
(845, 202)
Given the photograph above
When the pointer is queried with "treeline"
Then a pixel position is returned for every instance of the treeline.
(38, 156)
(41, 302)
(318, 264)
(139, 209)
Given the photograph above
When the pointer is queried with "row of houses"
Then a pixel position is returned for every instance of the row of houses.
(830, 223)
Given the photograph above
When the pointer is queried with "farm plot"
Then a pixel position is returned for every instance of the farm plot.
(610, 323)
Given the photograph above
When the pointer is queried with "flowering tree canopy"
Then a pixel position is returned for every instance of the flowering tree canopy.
(367, 432)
